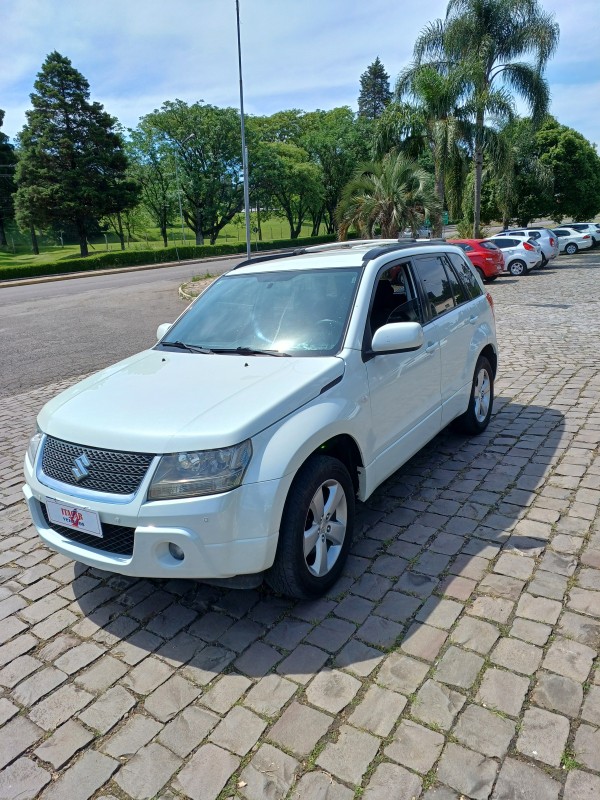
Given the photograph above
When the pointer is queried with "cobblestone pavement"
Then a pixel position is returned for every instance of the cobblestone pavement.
(457, 656)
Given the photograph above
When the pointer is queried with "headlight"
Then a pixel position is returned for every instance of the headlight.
(200, 473)
(34, 444)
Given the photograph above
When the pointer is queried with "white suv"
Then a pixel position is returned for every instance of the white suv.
(237, 445)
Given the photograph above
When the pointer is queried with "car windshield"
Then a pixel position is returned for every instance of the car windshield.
(298, 313)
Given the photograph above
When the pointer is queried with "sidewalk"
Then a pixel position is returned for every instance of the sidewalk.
(456, 658)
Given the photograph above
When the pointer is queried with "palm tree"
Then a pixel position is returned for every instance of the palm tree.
(484, 39)
(387, 195)
(430, 121)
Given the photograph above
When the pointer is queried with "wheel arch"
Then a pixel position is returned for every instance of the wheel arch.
(491, 355)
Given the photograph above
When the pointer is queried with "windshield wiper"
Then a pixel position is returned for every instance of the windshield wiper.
(251, 351)
(189, 347)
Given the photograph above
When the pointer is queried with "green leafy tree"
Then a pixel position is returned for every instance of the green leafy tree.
(8, 162)
(575, 166)
(387, 196)
(375, 91)
(204, 143)
(485, 40)
(72, 164)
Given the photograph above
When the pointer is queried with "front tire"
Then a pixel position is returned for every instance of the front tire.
(477, 416)
(571, 249)
(517, 268)
(316, 530)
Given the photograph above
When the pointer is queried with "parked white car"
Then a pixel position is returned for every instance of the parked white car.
(545, 237)
(520, 255)
(236, 446)
(586, 227)
(571, 241)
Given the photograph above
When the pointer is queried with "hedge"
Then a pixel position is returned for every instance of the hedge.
(128, 258)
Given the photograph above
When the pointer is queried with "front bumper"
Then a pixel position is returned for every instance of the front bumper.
(220, 536)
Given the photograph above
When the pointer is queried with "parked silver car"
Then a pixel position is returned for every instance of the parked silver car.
(520, 256)
(570, 240)
(545, 237)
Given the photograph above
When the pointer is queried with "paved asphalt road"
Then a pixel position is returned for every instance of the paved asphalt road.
(72, 327)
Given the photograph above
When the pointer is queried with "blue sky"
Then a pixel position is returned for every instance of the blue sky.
(138, 53)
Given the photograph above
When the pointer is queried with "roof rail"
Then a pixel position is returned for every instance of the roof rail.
(402, 244)
(315, 248)
(272, 257)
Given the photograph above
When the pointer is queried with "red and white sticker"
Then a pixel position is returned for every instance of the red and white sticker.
(79, 519)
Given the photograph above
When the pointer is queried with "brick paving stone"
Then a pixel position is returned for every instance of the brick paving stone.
(17, 647)
(543, 736)
(207, 664)
(18, 670)
(241, 635)
(184, 733)
(436, 704)
(374, 587)
(397, 606)
(496, 609)
(225, 693)
(380, 631)
(587, 746)
(206, 773)
(134, 734)
(173, 695)
(557, 693)
(415, 746)
(518, 779)
(423, 641)
(354, 609)
(582, 629)
(147, 676)
(312, 610)
(84, 778)
(332, 690)
(379, 711)
(258, 660)
(391, 782)
(569, 658)
(239, 731)
(288, 633)
(41, 609)
(17, 737)
(401, 673)
(64, 742)
(584, 601)
(439, 613)
(591, 708)
(302, 663)
(475, 634)
(440, 793)
(529, 631)
(320, 786)
(101, 675)
(299, 728)
(458, 668)
(110, 707)
(558, 562)
(269, 774)
(501, 586)
(59, 706)
(515, 566)
(469, 773)
(23, 780)
(10, 627)
(78, 657)
(349, 757)
(331, 634)
(483, 731)
(517, 655)
(136, 647)
(469, 566)
(270, 694)
(7, 710)
(416, 584)
(538, 609)
(148, 771)
(582, 786)
(457, 587)
(54, 624)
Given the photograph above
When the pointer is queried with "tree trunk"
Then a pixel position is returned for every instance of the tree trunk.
(82, 233)
(120, 230)
(258, 225)
(199, 231)
(34, 241)
(478, 155)
(436, 218)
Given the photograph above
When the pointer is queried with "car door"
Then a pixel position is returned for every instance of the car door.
(404, 388)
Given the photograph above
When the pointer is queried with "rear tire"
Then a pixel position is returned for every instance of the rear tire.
(517, 267)
(544, 261)
(481, 274)
(477, 416)
(571, 249)
(316, 530)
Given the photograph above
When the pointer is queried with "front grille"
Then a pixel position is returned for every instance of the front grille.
(112, 471)
(115, 538)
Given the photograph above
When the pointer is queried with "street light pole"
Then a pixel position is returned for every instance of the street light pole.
(244, 149)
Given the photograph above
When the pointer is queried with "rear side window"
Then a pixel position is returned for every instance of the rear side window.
(465, 274)
(488, 245)
(458, 290)
(504, 243)
(437, 286)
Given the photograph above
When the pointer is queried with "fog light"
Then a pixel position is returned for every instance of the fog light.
(176, 551)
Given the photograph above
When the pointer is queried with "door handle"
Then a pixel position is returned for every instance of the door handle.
(431, 347)
(473, 319)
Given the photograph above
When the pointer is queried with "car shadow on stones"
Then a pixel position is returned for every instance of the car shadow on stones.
(444, 539)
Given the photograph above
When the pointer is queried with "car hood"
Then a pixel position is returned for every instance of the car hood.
(163, 402)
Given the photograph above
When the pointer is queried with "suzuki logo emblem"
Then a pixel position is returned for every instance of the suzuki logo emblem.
(80, 470)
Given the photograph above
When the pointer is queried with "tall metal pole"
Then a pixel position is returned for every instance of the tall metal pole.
(244, 150)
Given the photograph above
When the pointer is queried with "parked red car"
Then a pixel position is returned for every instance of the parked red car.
(484, 255)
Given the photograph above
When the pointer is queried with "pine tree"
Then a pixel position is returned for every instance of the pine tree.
(375, 91)
(71, 158)
(7, 184)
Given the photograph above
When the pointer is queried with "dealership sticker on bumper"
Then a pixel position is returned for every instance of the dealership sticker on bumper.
(79, 519)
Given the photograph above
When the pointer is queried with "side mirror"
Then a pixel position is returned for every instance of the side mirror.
(162, 330)
(397, 337)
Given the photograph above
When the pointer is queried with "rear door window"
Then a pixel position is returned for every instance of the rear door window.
(436, 284)
(465, 274)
